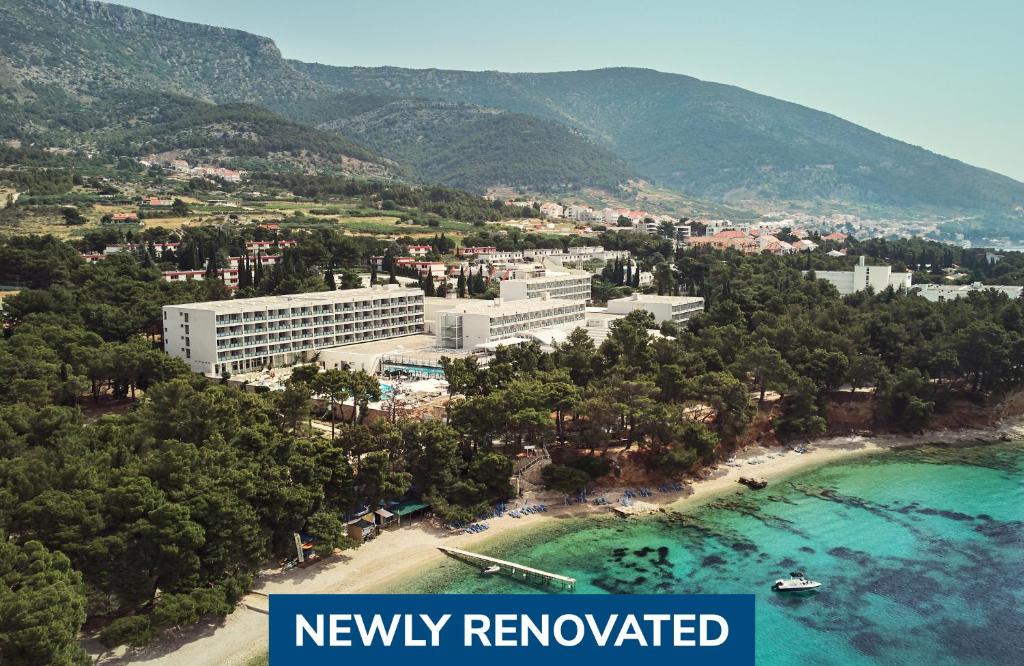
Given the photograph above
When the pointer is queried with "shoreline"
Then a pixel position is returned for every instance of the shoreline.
(398, 555)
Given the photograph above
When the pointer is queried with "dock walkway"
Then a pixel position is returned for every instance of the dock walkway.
(512, 568)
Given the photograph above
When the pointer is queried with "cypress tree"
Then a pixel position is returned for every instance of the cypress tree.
(329, 280)
(428, 286)
(257, 276)
(373, 272)
(462, 283)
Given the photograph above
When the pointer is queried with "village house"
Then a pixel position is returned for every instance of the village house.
(551, 209)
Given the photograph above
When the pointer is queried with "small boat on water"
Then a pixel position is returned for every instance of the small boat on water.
(797, 583)
(491, 570)
(754, 483)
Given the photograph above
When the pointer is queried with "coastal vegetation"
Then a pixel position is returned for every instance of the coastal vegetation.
(155, 495)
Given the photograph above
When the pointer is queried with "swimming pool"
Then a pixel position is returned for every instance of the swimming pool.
(424, 371)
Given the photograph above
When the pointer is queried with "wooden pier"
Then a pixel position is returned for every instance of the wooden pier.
(511, 568)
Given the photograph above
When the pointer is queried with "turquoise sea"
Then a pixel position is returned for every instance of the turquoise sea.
(921, 553)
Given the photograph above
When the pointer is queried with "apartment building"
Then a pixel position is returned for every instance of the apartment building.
(664, 308)
(249, 334)
(551, 209)
(577, 254)
(229, 276)
(468, 324)
(263, 246)
(572, 285)
(471, 251)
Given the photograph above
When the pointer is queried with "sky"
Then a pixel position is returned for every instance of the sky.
(945, 75)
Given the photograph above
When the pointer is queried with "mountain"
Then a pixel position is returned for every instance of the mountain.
(103, 76)
(80, 72)
(466, 145)
(77, 71)
(709, 139)
(84, 49)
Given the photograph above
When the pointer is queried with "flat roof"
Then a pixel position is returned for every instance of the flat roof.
(654, 298)
(551, 277)
(509, 307)
(311, 298)
(397, 345)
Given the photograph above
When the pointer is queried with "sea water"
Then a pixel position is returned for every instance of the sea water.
(920, 552)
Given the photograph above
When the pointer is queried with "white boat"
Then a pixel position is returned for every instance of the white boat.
(798, 583)
(491, 570)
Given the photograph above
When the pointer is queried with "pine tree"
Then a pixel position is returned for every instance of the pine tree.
(462, 283)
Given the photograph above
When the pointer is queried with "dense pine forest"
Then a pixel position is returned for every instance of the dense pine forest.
(158, 512)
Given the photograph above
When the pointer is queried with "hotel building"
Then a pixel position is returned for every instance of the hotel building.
(468, 324)
(664, 308)
(574, 286)
(246, 335)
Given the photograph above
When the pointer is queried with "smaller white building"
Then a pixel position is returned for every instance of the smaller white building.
(863, 276)
(468, 324)
(571, 285)
(664, 308)
(945, 292)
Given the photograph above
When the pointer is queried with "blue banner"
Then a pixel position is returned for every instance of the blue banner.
(507, 629)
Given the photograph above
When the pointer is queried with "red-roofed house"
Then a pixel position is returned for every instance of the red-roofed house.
(725, 240)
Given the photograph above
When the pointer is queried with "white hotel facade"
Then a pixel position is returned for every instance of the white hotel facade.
(573, 286)
(246, 335)
(677, 309)
(879, 278)
(467, 324)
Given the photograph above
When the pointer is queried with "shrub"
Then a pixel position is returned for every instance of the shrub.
(133, 630)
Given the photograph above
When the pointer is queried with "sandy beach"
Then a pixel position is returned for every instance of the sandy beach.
(384, 563)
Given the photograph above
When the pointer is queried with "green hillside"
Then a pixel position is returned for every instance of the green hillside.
(470, 146)
(710, 139)
(86, 48)
(76, 72)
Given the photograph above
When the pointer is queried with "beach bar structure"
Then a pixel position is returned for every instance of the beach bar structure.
(513, 569)
(361, 529)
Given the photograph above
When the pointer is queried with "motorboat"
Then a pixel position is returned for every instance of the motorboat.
(797, 582)
(493, 569)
